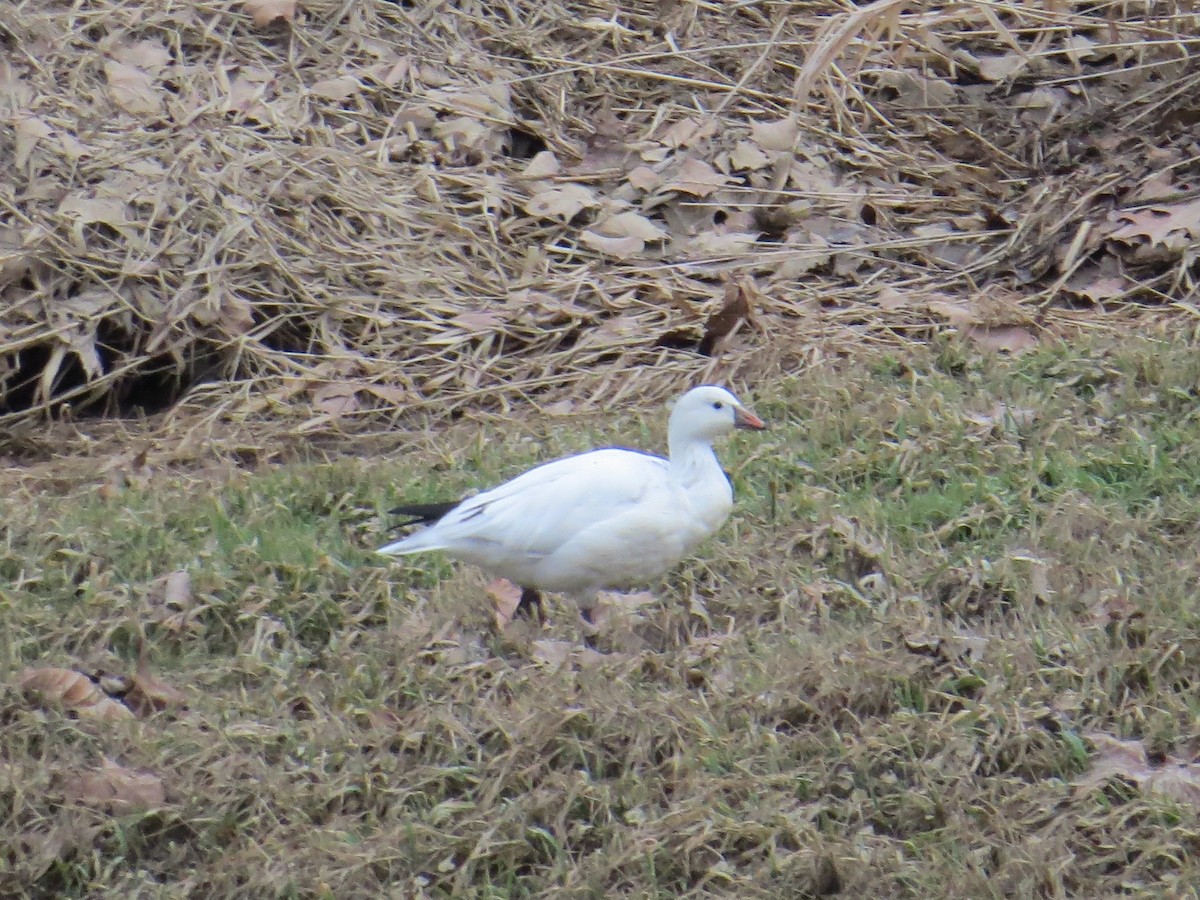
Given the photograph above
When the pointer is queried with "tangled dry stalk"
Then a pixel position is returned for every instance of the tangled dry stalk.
(327, 210)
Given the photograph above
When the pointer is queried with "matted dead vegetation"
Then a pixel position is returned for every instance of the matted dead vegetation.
(326, 209)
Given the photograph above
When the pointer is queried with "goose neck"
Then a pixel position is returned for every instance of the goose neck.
(691, 459)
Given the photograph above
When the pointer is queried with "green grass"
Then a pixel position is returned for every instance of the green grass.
(943, 573)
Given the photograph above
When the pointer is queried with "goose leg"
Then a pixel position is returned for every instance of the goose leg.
(529, 604)
(587, 625)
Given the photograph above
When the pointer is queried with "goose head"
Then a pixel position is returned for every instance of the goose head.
(706, 413)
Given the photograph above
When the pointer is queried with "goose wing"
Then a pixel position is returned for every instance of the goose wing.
(533, 515)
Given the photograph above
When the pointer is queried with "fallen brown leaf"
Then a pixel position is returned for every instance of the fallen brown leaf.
(132, 89)
(506, 596)
(644, 178)
(618, 247)
(543, 165)
(1098, 288)
(149, 694)
(562, 203)
(336, 89)
(267, 12)
(631, 224)
(696, 177)
(1002, 414)
(150, 55)
(87, 209)
(1127, 759)
(999, 68)
(336, 399)
(747, 156)
(478, 320)
(177, 590)
(915, 90)
(28, 131)
(689, 131)
(72, 691)
(721, 242)
(779, 135)
(552, 653)
(247, 93)
(1003, 338)
(722, 323)
(955, 312)
(117, 789)
(1174, 227)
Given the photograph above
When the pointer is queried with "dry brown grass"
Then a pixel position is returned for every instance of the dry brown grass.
(321, 218)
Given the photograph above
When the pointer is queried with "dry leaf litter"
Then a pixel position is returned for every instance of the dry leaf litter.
(327, 212)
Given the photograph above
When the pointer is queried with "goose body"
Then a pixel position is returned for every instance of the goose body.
(604, 519)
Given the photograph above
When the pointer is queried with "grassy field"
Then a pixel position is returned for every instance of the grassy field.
(946, 647)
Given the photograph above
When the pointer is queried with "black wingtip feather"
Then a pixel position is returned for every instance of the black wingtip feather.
(421, 513)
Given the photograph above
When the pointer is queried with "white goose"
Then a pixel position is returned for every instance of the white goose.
(600, 520)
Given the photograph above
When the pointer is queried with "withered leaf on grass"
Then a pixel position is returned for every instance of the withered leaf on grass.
(779, 135)
(747, 155)
(461, 134)
(72, 691)
(689, 131)
(562, 203)
(505, 596)
(247, 94)
(267, 12)
(234, 314)
(998, 68)
(1174, 227)
(1096, 287)
(149, 694)
(622, 235)
(109, 211)
(1079, 47)
(336, 89)
(555, 654)
(696, 177)
(618, 247)
(644, 178)
(29, 130)
(132, 89)
(478, 320)
(388, 393)
(956, 312)
(890, 299)
(721, 242)
(915, 90)
(171, 605)
(150, 55)
(722, 323)
(336, 399)
(631, 224)
(1003, 338)
(117, 789)
(491, 103)
(543, 165)
(1172, 777)
(613, 606)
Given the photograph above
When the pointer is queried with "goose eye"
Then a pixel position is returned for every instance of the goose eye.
(717, 404)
